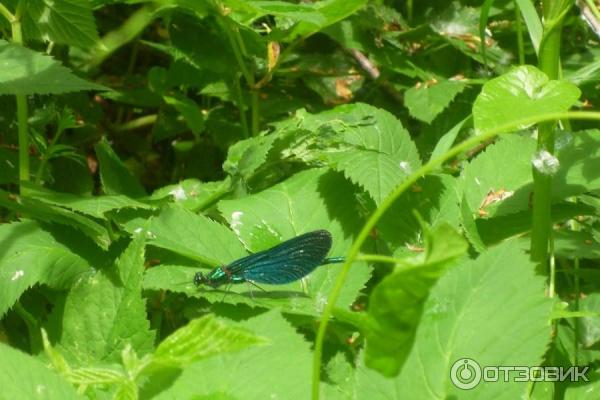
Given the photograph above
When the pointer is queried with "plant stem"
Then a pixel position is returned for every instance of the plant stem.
(549, 58)
(519, 27)
(21, 99)
(432, 165)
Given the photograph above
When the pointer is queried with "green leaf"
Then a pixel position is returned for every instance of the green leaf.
(436, 200)
(211, 54)
(523, 92)
(246, 156)
(533, 22)
(193, 194)
(589, 327)
(26, 72)
(201, 338)
(191, 235)
(30, 255)
(427, 101)
(116, 178)
(310, 200)
(190, 111)
(396, 303)
(50, 213)
(69, 22)
(459, 26)
(105, 313)
(496, 187)
(96, 206)
(379, 152)
(492, 310)
(280, 369)
(25, 377)
(491, 182)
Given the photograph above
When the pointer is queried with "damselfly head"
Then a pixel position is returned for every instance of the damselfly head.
(200, 279)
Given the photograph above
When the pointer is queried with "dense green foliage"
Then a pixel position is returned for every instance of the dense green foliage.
(451, 149)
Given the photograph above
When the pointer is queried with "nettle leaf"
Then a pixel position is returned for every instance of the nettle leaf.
(34, 208)
(115, 177)
(379, 152)
(258, 372)
(193, 194)
(477, 310)
(492, 180)
(523, 92)
(459, 26)
(427, 101)
(199, 339)
(310, 200)
(26, 72)
(105, 313)
(435, 199)
(69, 22)
(189, 110)
(246, 156)
(25, 377)
(191, 235)
(96, 206)
(30, 255)
(213, 53)
(589, 327)
(396, 303)
(497, 187)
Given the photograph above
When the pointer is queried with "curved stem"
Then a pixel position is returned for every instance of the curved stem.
(380, 211)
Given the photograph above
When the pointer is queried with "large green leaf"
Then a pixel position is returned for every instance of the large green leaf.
(396, 303)
(310, 200)
(69, 22)
(199, 339)
(25, 377)
(49, 213)
(377, 152)
(191, 235)
(497, 187)
(30, 254)
(435, 199)
(426, 101)
(105, 313)
(116, 178)
(523, 92)
(492, 310)
(279, 369)
(95, 206)
(26, 72)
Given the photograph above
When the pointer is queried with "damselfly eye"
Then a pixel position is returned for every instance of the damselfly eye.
(199, 279)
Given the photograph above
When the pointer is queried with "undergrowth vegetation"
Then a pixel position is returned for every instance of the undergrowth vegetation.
(450, 148)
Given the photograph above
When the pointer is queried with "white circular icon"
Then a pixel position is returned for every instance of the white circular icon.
(465, 373)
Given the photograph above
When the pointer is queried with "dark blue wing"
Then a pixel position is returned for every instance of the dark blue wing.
(286, 262)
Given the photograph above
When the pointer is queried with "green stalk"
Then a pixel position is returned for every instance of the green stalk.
(549, 58)
(431, 166)
(519, 28)
(239, 51)
(22, 112)
(129, 30)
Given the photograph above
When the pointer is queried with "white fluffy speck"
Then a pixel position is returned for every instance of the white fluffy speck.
(18, 274)
(405, 166)
(236, 221)
(137, 230)
(178, 193)
(545, 163)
